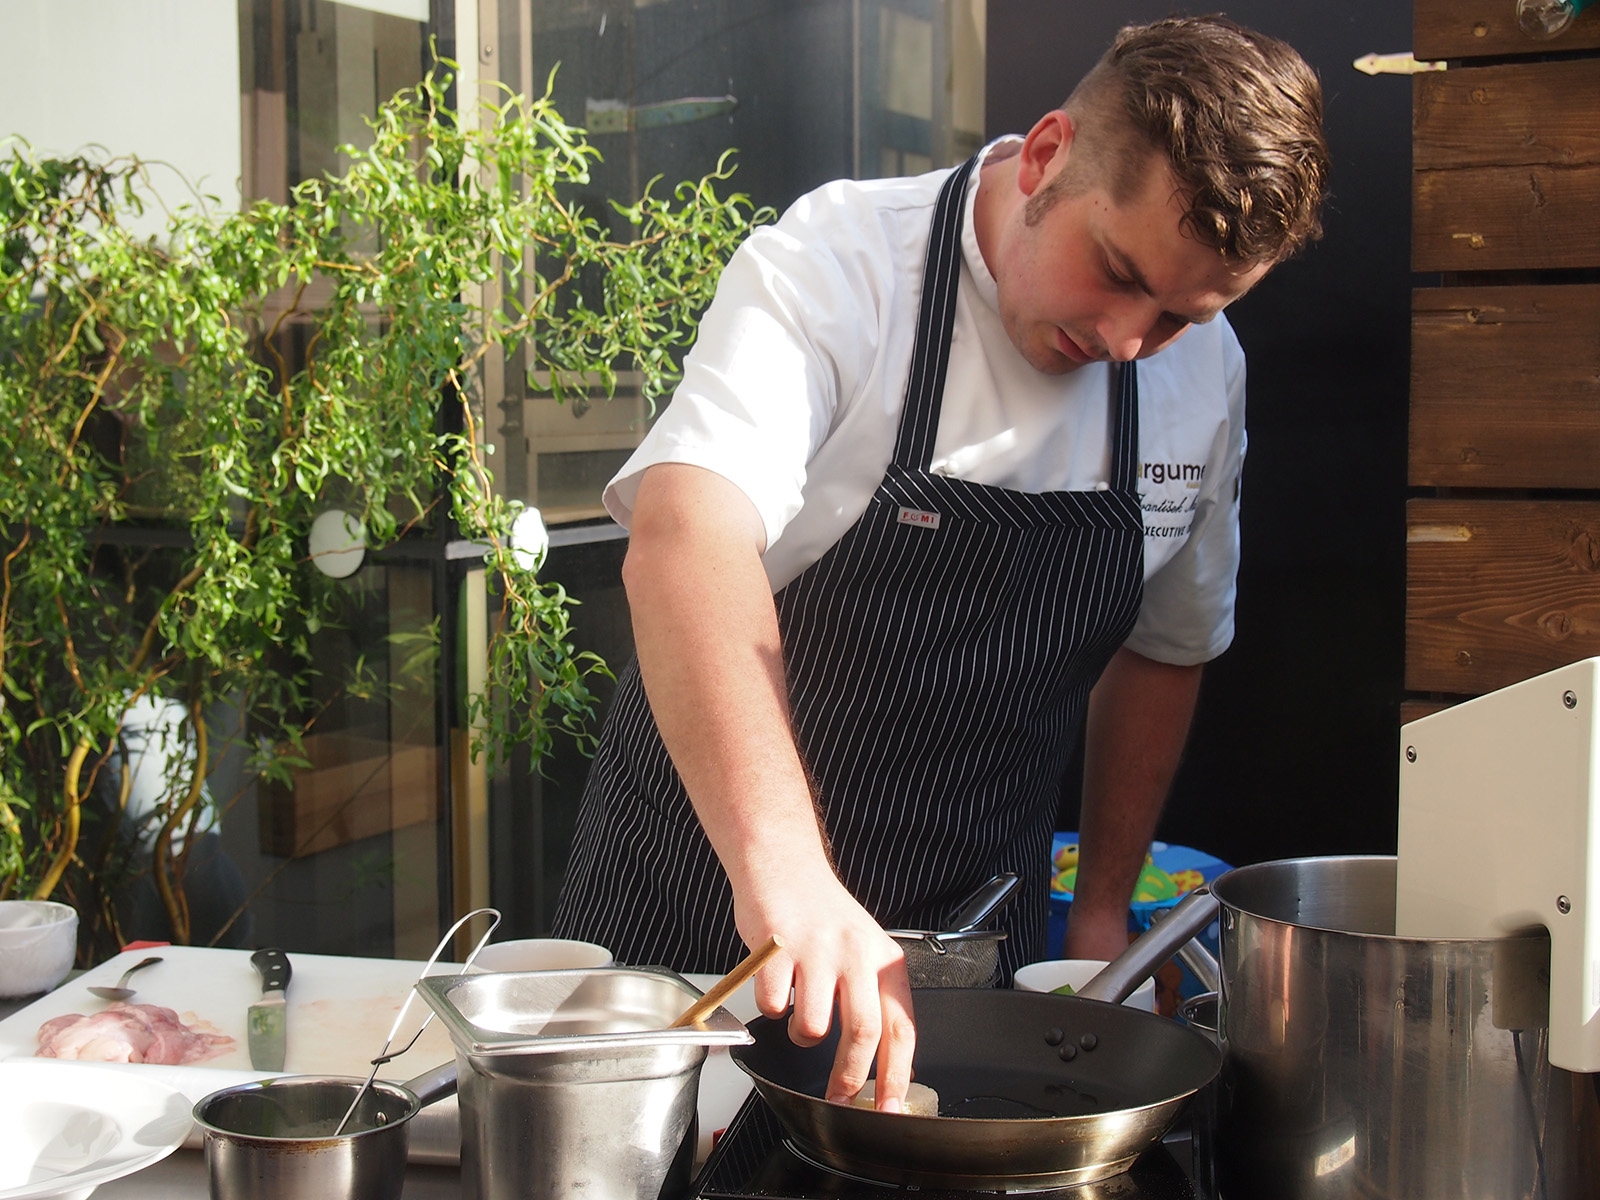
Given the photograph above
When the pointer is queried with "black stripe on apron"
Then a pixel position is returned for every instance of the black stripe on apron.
(939, 657)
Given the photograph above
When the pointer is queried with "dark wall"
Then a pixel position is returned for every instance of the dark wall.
(1294, 746)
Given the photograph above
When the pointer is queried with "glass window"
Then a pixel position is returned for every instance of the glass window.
(804, 93)
(347, 858)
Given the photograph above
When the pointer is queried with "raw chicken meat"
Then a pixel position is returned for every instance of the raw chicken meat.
(136, 1033)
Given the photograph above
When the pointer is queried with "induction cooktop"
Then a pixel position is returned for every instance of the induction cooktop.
(753, 1160)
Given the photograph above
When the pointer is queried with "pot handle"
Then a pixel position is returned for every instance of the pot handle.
(1199, 960)
(1139, 961)
(435, 1084)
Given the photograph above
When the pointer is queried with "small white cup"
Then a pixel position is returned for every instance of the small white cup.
(540, 954)
(38, 939)
(1047, 976)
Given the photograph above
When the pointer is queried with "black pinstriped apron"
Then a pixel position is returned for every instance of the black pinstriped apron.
(938, 658)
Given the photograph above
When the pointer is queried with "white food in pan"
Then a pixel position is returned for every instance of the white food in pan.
(921, 1100)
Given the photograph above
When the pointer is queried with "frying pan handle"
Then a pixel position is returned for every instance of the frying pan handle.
(1141, 959)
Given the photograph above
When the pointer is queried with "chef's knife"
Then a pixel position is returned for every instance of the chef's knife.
(266, 1022)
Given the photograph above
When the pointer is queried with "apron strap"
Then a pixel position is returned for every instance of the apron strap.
(936, 317)
(1125, 427)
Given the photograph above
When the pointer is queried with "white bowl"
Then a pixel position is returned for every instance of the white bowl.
(38, 940)
(541, 954)
(1075, 972)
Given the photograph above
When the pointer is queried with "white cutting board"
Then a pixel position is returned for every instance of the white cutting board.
(340, 1009)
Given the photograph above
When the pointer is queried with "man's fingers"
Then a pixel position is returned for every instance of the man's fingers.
(860, 1026)
(813, 1007)
(772, 985)
(898, 1041)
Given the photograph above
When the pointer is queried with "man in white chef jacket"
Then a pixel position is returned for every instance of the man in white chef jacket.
(955, 459)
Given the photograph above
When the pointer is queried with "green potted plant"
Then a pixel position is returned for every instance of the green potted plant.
(149, 385)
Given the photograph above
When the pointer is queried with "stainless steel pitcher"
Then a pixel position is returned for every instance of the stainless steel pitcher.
(571, 1085)
(1359, 1064)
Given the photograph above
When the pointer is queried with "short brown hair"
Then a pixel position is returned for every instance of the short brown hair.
(1238, 117)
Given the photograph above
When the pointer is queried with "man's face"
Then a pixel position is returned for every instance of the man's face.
(1092, 279)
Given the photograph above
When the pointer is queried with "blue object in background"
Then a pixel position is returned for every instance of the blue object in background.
(1141, 914)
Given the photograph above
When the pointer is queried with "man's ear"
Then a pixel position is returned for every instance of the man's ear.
(1044, 151)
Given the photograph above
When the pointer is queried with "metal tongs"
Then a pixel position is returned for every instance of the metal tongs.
(385, 1055)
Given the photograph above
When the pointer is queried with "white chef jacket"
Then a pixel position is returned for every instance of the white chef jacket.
(794, 387)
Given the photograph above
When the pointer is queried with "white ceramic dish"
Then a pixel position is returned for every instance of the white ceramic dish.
(38, 939)
(1051, 974)
(66, 1128)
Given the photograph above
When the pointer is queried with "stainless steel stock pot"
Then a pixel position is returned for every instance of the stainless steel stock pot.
(1360, 1064)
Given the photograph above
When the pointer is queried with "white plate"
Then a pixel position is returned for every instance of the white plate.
(66, 1128)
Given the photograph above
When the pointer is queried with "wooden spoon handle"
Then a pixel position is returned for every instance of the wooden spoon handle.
(727, 985)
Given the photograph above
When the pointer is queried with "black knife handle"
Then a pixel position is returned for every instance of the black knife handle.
(273, 965)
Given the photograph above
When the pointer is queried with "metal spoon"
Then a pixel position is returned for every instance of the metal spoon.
(122, 991)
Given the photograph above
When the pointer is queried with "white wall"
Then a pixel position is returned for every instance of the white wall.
(156, 78)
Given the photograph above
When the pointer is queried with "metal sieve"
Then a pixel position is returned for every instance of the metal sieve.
(942, 960)
(963, 955)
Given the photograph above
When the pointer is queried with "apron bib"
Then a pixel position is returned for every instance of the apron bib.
(939, 658)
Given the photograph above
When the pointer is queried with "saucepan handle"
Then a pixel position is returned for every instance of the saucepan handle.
(435, 1084)
(1143, 957)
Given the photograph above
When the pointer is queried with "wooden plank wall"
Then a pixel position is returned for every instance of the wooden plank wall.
(1503, 530)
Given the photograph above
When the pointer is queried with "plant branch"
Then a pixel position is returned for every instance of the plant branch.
(66, 641)
(72, 818)
(5, 597)
(169, 884)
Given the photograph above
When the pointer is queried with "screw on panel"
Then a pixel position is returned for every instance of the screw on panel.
(1411, 754)
(1570, 699)
(1563, 905)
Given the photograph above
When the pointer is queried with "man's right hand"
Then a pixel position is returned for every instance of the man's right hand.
(835, 954)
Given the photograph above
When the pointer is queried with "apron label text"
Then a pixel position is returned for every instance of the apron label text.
(915, 516)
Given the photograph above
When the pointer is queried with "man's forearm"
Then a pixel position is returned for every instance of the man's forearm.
(1139, 715)
(706, 634)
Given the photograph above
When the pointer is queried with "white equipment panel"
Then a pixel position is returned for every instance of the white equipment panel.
(1500, 833)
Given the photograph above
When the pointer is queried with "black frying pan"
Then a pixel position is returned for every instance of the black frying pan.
(1035, 1090)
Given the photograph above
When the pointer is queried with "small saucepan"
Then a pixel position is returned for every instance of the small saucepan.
(273, 1139)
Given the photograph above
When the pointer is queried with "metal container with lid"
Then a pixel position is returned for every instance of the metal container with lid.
(571, 1084)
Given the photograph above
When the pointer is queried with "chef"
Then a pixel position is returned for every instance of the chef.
(954, 459)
